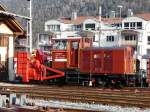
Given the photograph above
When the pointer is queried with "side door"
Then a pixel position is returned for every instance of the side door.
(73, 53)
(108, 61)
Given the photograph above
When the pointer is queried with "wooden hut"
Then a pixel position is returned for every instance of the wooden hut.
(10, 29)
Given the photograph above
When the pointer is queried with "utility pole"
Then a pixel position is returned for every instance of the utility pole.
(30, 25)
(120, 7)
(91, 54)
(100, 19)
(27, 40)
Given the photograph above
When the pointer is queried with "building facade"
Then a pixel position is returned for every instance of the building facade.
(131, 31)
(61, 28)
(104, 31)
(136, 32)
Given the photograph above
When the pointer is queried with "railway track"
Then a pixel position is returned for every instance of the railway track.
(45, 110)
(80, 89)
(128, 97)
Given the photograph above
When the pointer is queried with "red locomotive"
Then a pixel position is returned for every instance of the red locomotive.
(81, 63)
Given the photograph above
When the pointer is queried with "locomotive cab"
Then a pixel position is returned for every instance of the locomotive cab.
(65, 53)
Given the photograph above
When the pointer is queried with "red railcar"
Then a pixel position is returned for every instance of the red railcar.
(82, 62)
(29, 67)
(112, 60)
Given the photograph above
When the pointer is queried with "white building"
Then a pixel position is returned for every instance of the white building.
(61, 28)
(136, 32)
(71, 27)
(106, 32)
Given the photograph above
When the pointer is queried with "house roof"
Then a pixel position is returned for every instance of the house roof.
(78, 20)
(65, 20)
(145, 16)
(11, 22)
(81, 19)
(112, 20)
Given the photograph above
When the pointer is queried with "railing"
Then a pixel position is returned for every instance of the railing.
(125, 42)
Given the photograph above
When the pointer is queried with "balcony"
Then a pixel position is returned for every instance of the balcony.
(128, 42)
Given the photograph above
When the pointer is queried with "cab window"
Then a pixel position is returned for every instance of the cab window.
(60, 44)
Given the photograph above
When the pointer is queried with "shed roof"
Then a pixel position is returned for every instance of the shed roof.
(11, 22)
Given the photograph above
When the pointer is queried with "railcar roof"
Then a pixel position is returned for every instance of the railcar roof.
(108, 48)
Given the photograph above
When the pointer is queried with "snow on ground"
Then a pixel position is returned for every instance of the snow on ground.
(85, 106)
(18, 85)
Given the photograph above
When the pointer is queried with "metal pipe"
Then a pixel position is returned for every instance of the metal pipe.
(120, 7)
(30, 25)
(100, 19)
(27, 40)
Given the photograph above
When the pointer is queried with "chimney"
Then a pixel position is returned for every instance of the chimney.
(74, 15)
(112, 14)
(130, 12)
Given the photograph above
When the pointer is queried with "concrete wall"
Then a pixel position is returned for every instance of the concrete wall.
(5, 30)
